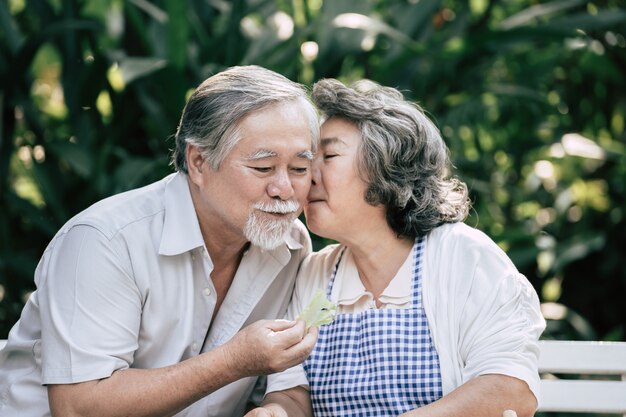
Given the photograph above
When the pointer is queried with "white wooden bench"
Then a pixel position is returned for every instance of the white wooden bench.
(601, 367)
(586, 360)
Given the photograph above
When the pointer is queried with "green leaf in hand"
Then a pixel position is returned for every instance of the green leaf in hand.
(319, 311)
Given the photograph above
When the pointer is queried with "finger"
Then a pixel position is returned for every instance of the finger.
(313, 330)
(274, 410)
(258, 412)
(310, 338)
(298, 333)
(297, 353)
(300, 325)
(280, 325)
(289, 336)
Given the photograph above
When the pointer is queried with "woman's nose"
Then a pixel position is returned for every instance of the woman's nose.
(315, 171)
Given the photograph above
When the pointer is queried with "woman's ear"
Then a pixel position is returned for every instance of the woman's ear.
(195, 164)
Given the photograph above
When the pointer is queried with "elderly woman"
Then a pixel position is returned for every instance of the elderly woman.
(433, 319)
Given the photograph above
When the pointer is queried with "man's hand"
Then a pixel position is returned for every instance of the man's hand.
(269, 346)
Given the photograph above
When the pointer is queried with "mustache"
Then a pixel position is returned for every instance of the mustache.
(282, 207)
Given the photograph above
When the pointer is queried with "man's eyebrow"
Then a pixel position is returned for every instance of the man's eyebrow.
(265, 153)
(305, 155)
(261, 154)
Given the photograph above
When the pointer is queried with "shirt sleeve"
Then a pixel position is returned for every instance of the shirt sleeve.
(500, 321)
(289, 378)
(503, 340)
(90, 307)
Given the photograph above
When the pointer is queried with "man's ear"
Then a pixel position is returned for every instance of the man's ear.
(195, 164)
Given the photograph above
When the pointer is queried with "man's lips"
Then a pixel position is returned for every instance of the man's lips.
(280, 215)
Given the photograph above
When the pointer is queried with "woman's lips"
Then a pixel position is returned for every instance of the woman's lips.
(315, 200)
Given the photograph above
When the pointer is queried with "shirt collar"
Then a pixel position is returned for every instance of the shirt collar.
(291, 242)
(399, 289)
(351, 289)
(181, 230)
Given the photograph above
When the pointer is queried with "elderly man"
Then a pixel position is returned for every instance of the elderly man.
(163, 300)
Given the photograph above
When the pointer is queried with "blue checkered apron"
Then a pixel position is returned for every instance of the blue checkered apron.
(379, 362)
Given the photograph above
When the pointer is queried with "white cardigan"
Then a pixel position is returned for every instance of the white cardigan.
(483, 314)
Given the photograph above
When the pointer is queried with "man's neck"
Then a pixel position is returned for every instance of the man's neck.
(224, 253)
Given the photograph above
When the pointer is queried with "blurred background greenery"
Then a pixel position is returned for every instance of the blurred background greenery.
(529, 95)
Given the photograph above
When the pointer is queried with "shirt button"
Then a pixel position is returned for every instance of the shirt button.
(194, 347)
(207, 291)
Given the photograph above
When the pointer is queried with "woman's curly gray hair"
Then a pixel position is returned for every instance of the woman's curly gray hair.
(401, 156)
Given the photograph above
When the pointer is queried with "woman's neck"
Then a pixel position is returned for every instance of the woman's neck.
(378, 256)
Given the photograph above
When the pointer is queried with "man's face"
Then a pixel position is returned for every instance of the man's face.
(261, 186)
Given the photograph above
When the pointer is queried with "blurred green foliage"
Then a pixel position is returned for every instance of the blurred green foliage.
(529, 95)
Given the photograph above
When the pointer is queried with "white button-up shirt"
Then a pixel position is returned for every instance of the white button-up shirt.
(126, 283)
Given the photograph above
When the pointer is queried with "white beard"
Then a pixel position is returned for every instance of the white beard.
(269, 233)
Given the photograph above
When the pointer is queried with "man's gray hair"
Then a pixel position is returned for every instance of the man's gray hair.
(214, 110)
(401, 156)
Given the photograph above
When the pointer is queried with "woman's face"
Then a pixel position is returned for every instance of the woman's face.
(336, 207)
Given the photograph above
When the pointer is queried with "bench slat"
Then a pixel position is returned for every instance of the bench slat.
(607, 358)
(583, 358)
(583, 396)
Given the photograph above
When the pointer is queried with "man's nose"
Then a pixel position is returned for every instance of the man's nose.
(280, 186)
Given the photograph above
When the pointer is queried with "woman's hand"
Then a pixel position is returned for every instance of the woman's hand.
(270, 410)
(292, 402)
